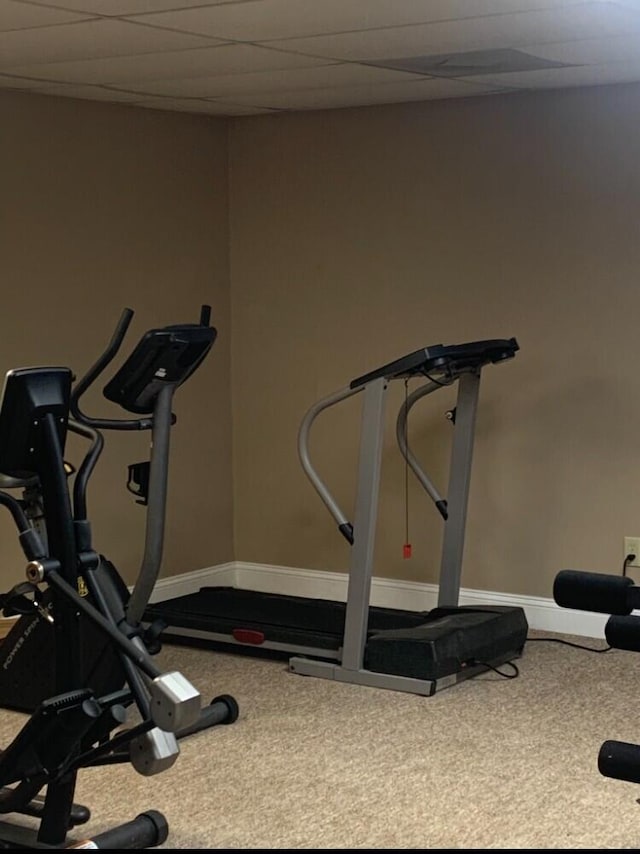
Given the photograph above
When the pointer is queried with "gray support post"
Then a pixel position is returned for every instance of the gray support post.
(156, 507)
(364, 525)
(458, 492)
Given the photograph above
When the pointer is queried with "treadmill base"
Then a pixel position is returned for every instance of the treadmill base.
(418, 652)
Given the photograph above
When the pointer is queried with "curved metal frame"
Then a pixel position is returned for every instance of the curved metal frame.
(350, 668)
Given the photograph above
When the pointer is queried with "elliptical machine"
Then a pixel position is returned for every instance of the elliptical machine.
(84, 627)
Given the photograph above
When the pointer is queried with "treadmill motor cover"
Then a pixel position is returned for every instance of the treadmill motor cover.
(450, 640)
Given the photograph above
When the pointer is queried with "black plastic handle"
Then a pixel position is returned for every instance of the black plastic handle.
(100, 364)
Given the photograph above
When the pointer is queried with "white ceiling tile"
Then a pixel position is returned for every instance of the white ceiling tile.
(353, 96)
(89, 40)
(581, 75)
(627, 4)
(174, 54)
(260, 20)
(590, 51)
(125, 7)
(202, 62)
(589, 20)
(14, 16)
(271, 81)
(389, 43)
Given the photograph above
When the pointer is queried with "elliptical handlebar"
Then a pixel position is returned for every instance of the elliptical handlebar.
(86, 467)
(81, 386)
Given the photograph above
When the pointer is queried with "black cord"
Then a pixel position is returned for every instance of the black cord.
(570, 643)
(448, 380)
(628, 560)
(486, 664)
(516, 672)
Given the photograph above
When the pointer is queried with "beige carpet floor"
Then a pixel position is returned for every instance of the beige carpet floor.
(488, 763)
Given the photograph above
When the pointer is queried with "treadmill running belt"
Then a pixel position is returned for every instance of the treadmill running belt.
(285, 619)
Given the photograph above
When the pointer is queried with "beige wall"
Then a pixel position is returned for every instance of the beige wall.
(360, 235)
(355, 236)
(103, 207)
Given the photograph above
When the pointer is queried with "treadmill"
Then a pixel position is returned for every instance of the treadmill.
(419, 652)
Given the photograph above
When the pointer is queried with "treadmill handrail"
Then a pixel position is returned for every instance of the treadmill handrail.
(450, 361)
(407, 453)
(303, 452)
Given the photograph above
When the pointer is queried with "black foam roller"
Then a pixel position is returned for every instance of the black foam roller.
(592, 591)
(620, 760)
(147, 830)
(623, 632)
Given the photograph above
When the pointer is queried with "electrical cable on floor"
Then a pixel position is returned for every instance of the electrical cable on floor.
(570, 643)
(513, 675)
(626, 562)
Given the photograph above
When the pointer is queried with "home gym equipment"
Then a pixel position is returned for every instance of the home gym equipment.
(82, 630)
(618, 596)
(145, 384)
(419, 652)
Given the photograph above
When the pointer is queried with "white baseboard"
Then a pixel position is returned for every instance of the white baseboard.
(542, 614)
(191, 582)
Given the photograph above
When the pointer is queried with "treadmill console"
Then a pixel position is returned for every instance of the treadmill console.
(446, 359)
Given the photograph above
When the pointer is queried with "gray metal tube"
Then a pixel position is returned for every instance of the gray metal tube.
(459, 484)
(303, 450)
(401, 436)
(366, 514)
(156, 507)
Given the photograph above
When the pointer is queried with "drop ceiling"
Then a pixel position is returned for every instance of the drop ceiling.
(243, 57)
